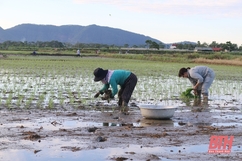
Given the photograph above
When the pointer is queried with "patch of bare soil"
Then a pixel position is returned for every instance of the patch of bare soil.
(119, 130)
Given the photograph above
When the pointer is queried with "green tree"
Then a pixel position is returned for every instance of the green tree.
(214, 44)
(162, 45)
(148, 43)
(155, 45)
(126, 45)
(240, 47)
(152, 44)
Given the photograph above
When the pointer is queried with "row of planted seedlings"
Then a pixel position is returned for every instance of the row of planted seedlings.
(166, 90)
(45, 84)
(42, 88)
(223, 94)
(55, 88)
(68, 85)
(49, 89)
(226, 94)
(158, 90)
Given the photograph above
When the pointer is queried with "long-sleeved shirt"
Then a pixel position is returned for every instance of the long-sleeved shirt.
(197, 74)
(115, 78)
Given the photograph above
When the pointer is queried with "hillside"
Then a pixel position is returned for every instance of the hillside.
(73, 34)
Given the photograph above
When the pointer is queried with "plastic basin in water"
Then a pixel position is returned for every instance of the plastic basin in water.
(157, 111)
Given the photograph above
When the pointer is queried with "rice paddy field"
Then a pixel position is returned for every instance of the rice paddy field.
(52, 98)
(67, 82)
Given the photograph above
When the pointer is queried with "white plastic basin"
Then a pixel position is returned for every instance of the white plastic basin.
(157, 111)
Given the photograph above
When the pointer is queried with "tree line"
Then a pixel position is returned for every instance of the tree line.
(19, 45)
(228, 46)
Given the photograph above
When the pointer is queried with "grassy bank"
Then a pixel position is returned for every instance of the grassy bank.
(215, 58)
(221, 58)
(142, 67)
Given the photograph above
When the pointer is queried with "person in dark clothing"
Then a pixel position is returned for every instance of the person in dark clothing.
(125, 79)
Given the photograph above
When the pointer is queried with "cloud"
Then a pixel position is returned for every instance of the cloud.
(222, 8)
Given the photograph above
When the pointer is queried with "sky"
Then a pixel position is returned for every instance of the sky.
(169, 21)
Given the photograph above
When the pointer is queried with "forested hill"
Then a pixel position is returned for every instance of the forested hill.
(73, 34)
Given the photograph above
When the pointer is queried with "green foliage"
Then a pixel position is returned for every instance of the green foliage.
(193, 56)
(138, 63)
(219, 56)
(58, 76)
(188, 94)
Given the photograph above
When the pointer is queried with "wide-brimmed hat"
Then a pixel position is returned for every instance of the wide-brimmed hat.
(99, 74)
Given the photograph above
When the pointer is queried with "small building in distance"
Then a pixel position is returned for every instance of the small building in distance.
(173, 46)
(203, 49)
(207, 49)
(217, 49)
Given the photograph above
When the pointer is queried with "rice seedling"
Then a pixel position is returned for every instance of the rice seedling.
(20, 100)
(157, 82)
(9, 100)
(51, 103)
(40, 101)
(28, 102)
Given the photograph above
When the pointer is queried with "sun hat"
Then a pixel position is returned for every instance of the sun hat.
(99, 74)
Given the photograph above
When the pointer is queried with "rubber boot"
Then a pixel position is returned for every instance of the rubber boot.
(199, 93)
(120, 100)
(197, 102)
(197, 107)
(125, 107)
(205, 101)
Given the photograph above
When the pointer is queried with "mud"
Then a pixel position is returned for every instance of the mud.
(87, 134)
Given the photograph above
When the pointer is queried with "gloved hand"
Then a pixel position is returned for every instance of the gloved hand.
(107, 95)
(96, 95)
(105, 98)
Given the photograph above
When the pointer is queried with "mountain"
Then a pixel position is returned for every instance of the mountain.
(73, 34)
(185, 42)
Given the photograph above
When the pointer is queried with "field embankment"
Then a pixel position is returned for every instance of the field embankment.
(220, 58)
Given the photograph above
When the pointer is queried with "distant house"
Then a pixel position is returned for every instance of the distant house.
(173, 46)
(207, 49)
(217, 49)
(203, 49)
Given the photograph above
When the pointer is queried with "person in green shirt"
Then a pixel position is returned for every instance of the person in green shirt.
(125, 79)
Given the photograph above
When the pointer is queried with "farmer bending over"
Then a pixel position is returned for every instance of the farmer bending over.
(201, 77)
(126, 79)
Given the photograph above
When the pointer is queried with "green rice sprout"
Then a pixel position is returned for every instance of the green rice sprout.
(9, 100)
(51, 103)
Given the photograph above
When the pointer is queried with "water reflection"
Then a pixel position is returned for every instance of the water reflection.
(149, 122)
(144, 122)
(102, 154)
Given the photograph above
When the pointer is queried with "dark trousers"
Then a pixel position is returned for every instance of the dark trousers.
(127, 89)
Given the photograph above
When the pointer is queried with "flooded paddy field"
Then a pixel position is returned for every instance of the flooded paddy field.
(48, 112)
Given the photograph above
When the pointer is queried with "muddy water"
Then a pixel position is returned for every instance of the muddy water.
(45, 118)
(101, 154)
(64, 134)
